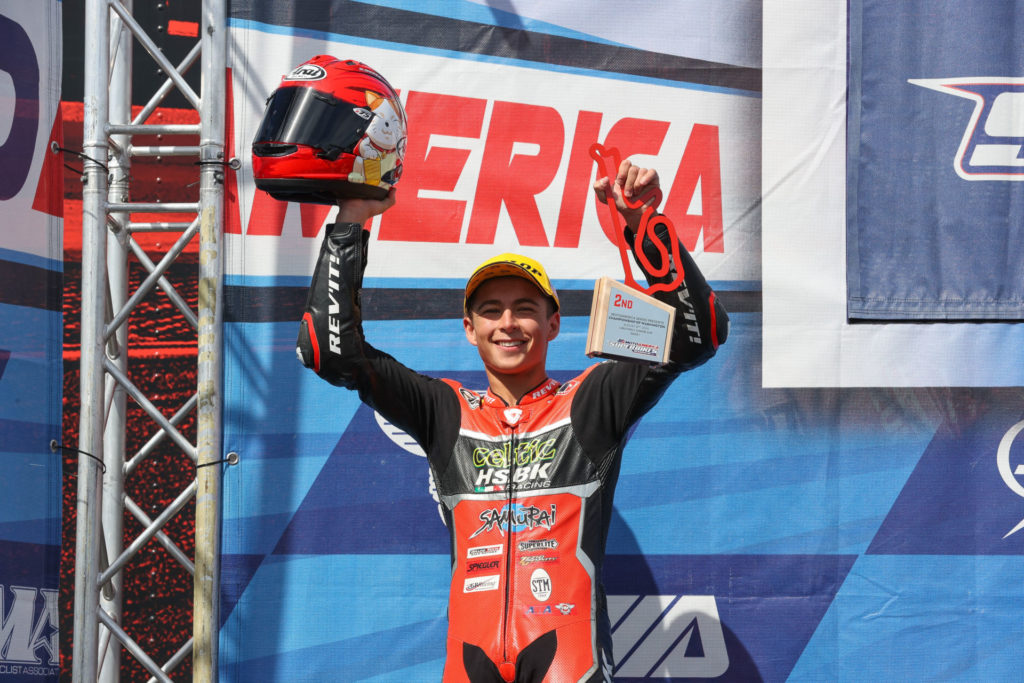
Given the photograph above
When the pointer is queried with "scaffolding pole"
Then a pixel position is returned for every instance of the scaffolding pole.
(99, 638)
(209, 425)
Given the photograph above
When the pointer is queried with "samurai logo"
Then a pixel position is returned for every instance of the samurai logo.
(992, 147)
(516, 516)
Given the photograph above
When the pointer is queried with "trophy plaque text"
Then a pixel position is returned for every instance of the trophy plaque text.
(626, 324)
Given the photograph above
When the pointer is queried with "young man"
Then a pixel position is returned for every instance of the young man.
(525, 470)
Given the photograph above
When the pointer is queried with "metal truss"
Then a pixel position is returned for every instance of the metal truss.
(108, 233)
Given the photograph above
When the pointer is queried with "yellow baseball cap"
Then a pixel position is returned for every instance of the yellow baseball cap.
(514, 265)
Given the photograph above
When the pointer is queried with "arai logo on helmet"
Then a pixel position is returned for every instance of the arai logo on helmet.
(306, 72)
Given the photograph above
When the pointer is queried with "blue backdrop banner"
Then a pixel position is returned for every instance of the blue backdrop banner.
(759, 533)
(31, 340)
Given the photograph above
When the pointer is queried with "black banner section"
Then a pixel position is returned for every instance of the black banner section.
(24, 285)
(284, 304)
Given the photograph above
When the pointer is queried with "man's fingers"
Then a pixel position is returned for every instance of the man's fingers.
(626, 178)
(389, 201)
(646, 179)
(622, 177)
(356, 210)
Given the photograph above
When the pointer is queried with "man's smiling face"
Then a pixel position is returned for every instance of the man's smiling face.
(511, 322)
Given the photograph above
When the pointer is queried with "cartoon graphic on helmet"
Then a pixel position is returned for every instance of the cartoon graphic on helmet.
(332, 129)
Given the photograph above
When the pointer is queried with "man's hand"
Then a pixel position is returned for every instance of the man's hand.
(362, 210)
(634, 190)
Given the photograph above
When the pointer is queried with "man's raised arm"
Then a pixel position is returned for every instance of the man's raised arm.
(701, 323)
(330, 335)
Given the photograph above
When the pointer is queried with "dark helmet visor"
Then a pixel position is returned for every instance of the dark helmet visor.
(304, 116)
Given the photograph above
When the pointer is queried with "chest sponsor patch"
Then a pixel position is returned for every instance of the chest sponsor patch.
(540, 585)
(517, 517)
(484, 551)
(538, 544)
(480, 566)
(480, 584)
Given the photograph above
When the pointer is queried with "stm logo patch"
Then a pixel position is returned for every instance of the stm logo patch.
(667, 636)
(992, 147)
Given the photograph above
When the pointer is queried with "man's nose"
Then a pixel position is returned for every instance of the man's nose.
(508, 319)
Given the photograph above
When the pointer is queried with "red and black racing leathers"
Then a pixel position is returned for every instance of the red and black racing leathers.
(526, 490)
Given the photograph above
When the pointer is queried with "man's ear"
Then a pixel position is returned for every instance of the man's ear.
(555, 323)
(467, 323)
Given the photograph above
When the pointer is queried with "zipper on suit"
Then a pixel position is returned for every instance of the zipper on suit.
(508, 551)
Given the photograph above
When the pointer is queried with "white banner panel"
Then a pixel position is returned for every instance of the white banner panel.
(807, 339)
(514, 120)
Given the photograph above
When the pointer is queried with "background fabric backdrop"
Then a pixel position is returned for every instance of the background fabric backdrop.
(31, 374)
(822, 501)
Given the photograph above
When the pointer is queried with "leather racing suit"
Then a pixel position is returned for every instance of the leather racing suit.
(526, 490)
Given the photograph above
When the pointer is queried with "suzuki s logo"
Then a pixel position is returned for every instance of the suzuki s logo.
(667, 636)
(1007, 470)
(992, 147)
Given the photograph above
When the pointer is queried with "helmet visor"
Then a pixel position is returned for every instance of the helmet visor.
(305, 116)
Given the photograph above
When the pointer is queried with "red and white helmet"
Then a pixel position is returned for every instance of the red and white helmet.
(334, 128)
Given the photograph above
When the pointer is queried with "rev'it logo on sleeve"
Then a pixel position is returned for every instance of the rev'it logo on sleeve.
(992, 147)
